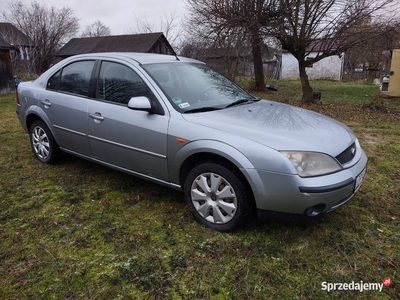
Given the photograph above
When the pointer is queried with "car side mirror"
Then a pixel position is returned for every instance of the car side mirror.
(140, 103)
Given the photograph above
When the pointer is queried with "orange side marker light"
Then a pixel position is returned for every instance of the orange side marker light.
(180, 141)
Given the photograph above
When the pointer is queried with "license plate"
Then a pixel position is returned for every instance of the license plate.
(360, 178)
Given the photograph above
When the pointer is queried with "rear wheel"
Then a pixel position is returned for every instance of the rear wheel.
(43, 144)
(216, 197)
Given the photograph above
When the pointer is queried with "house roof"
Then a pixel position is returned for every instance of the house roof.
(222, 53)
(319, 45)
(5, 45)
(118, 43)
(13, 36)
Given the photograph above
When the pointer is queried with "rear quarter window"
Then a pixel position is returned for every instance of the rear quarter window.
(52, 83)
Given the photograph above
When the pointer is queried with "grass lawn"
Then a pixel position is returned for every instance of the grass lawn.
(77, 230)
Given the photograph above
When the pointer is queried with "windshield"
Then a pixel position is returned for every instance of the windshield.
(195, 86)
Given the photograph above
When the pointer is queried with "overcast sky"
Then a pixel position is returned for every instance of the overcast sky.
(118, 15)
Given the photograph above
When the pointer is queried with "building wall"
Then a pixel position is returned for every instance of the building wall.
(160, 48)
(394, 81)
(23, 61)
(327, 68)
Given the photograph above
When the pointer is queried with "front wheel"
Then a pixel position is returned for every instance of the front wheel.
(43, 144)
(216, 197)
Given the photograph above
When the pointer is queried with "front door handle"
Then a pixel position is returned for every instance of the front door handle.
(97, 117)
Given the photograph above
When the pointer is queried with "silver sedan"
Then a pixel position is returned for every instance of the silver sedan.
(178, 122)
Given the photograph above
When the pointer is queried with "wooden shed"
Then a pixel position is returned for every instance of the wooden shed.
(145, 43)
(23, 50)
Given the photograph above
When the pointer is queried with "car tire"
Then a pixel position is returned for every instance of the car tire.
(216, 196)
(43, 144)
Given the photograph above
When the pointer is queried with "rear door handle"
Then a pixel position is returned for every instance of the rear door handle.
(97, 117)
(46, 103)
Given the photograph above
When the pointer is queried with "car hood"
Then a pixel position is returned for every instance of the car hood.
(279, 126)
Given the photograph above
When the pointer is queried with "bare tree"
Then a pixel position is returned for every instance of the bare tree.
(48, 28)
(374, 53)
(96, 29)
(168, 24)
(332, 26)
(215, 19)
(227, 53)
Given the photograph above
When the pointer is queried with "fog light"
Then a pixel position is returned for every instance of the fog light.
(315, 210)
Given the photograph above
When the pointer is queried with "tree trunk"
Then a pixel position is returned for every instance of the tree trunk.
(257, 61)
(305, 84)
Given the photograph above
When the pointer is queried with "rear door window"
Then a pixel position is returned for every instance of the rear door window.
(75, 78)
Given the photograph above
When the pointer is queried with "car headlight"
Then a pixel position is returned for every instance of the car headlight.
(310, 164)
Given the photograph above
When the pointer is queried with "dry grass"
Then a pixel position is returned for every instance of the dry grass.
(77, 230)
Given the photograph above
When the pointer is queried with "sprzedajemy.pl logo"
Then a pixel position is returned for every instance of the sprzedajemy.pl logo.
(356, 286)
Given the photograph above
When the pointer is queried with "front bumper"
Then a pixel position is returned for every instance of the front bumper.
(294, 196)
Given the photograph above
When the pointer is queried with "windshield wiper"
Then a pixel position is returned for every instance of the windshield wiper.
(201, 109)
(241, 101)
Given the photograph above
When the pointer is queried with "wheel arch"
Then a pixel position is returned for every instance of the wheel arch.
(37, 114)
(196, 153)
(32, 118)
(203, 157)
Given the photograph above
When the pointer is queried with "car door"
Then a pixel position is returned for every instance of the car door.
(65, 103)
(129, 139)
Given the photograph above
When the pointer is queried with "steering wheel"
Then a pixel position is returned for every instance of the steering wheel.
(203, 95)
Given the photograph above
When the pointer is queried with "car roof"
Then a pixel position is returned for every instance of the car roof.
(141, 58)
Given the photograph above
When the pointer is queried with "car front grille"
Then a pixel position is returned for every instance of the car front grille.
(347, 155)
